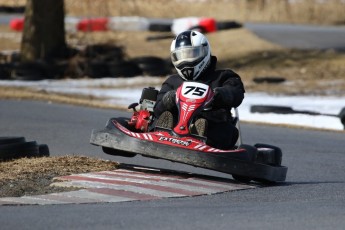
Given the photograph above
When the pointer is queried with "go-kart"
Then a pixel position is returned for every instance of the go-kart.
(138, 135)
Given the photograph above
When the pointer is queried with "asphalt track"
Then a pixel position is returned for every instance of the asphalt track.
(312, 198)
(301, 36)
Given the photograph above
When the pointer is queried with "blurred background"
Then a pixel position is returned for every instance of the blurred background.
(278, 47)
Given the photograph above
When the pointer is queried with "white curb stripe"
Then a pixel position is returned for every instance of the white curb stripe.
(195, 188)
(98, 197)
(129, 188)
(125, 185)
(187, 181)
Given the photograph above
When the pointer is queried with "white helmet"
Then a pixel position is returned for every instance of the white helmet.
(190, 54)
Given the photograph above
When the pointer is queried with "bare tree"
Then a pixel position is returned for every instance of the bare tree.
(44, 33)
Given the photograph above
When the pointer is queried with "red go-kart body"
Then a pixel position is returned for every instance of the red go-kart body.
(128, 137)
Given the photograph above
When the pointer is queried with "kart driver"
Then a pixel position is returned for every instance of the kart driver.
(191, 57)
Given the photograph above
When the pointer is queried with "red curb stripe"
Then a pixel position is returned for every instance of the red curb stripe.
(128, 176)
(148, 186)
(157, 178)
(157, 173)
(123, 193)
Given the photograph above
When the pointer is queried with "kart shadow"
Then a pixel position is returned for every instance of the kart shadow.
(186, 175)
(289, 183)
(175, 173)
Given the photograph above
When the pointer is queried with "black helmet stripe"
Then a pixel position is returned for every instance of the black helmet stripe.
(188, 73)
(183, 39)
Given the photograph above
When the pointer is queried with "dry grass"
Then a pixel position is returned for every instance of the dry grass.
(31, 176)
(307, 11)
(306, 72)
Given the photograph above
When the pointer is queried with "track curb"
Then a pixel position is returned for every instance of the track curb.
(123, 185)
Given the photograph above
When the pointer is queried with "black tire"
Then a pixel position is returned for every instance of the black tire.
(18, 150)
(149, 93)
(271, 155)
(160, 27)
(159, 37)
(242, 179)
(15, 57)
(156, 72)
(32, 71)
(148, 61)
(152, 66)
(60, 68)
(103, 52)
(342, 117)
(114, 152)
(97, 69)
(226, 25)
(11, 140)
(272, 80)
(250, 153)
(12, 9)
(124, 69)
(43, 150)
(5, 71)
(271, 109)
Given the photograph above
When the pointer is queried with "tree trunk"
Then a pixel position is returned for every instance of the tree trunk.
(44, 33)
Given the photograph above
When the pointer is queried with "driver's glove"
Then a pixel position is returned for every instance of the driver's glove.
(222, 98)
(169, 99)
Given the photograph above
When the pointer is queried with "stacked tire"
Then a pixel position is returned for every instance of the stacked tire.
(94, 61)
(152, 66)
(262, 154)
(18, 147)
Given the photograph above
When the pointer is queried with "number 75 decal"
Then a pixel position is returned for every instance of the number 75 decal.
(194, 90)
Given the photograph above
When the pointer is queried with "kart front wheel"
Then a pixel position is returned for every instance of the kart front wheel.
(115, 152)
(269, 154)
(242, 179)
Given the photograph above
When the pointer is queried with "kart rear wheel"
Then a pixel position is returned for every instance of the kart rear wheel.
(242, 179)
(115, 152)
(269, 154)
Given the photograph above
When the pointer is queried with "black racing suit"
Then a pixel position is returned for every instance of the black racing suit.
(221, 132)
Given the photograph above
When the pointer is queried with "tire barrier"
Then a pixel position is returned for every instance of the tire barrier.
(124, 69)
(152, 66)
(204, 25)
(74, 24)
(342, 116)
(94, 61)
(32, 71)
(5, 71)
(18, 147)
(98, 61)
(271, 109)
(271, 80)
(12, 9)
